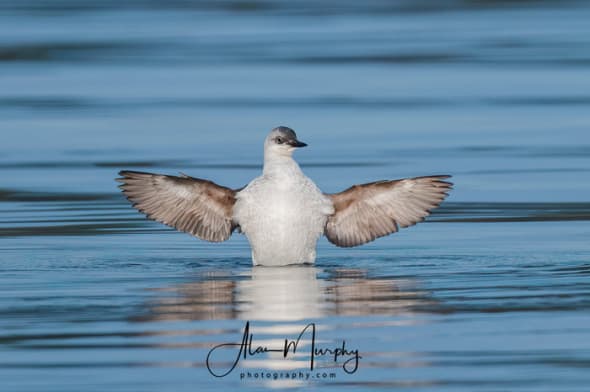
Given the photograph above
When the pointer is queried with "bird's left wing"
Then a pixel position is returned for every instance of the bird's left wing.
(366, 212)
(199, 207)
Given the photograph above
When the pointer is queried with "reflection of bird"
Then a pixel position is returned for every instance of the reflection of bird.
(281, 294)
(282, 212)
(296, 292)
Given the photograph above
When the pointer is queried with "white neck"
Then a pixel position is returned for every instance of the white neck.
(279, 164)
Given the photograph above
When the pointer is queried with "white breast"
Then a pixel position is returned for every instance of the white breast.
(283, 217)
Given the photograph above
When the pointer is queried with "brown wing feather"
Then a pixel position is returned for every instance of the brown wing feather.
(199, 207)
(369, 211)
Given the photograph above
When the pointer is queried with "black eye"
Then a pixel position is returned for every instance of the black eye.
(279, 140)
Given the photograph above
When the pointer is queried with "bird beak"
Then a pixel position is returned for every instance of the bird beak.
(296, 143)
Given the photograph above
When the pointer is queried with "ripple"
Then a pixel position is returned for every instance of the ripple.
(66, 51)
(513, 212)
(8, 194)
(108, 213)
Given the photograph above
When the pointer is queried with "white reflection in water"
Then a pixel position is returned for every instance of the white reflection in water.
(292, 293)
(282, 294)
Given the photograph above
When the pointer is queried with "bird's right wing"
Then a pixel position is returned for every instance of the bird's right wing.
(366, 212)
(199, 207)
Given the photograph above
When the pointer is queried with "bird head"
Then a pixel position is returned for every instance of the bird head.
(282, 141)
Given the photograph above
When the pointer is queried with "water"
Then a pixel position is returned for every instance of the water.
(492, 293)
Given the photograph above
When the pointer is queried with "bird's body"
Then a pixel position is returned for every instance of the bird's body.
(282, 212)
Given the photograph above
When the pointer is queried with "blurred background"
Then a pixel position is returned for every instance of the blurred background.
(494, 92)
(492, 292)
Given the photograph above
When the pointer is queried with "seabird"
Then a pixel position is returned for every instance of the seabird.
(283, 213)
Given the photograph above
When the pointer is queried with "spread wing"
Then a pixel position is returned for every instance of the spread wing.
(199, 207)
(369, 211)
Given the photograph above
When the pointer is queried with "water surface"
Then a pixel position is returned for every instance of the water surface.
(491, 293)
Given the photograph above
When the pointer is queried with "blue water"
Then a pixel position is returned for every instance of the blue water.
(491, 293)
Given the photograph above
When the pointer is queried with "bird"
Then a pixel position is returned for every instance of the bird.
(282, 212)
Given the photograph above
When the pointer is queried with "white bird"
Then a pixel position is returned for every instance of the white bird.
(282, 212)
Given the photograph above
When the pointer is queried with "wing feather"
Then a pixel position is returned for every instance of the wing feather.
(369, 211)
(198, 207)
